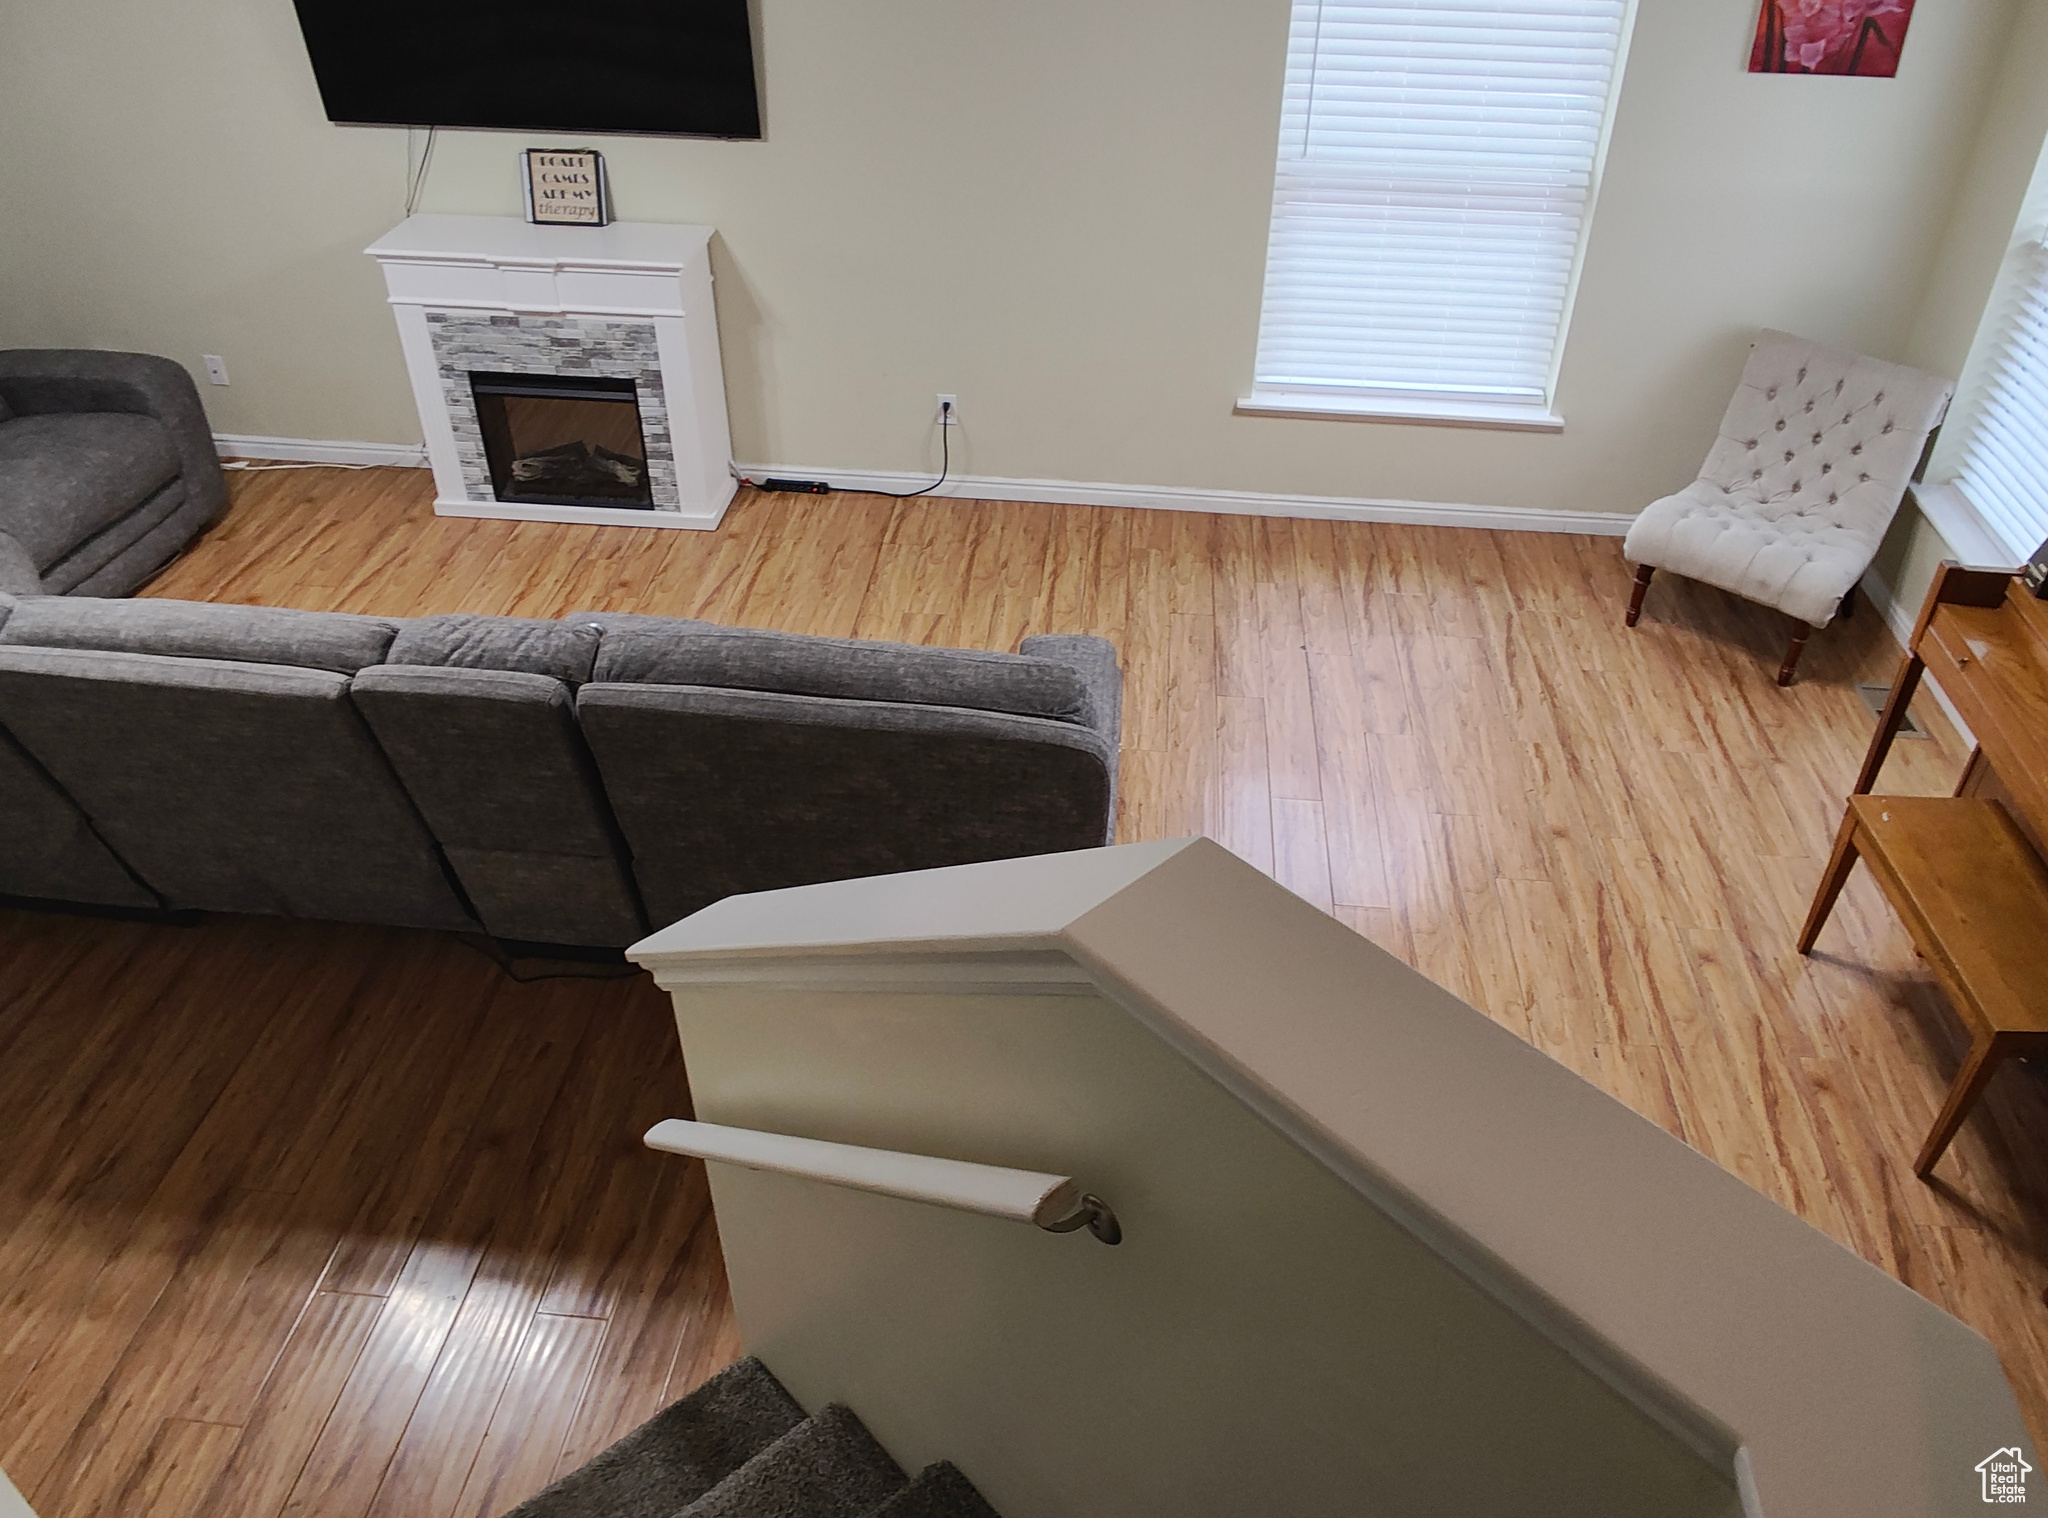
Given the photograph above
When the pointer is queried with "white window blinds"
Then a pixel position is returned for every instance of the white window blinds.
(1436, 163)
(2003, 461)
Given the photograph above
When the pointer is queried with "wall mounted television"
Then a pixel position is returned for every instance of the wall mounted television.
(682, 68)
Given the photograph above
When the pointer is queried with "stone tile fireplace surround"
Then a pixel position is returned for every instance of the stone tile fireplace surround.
(632, 301)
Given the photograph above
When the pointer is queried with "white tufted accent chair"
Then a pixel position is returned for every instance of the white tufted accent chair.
(1814, 456)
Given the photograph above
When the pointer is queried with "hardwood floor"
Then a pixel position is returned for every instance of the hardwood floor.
(338, 1221)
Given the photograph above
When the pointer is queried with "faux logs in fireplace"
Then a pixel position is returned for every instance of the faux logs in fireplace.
(563, 439)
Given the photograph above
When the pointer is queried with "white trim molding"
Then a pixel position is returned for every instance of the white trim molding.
(1414, 411)
(1969, 537)
(1607, 524)
(306, 450)
(1220, 502)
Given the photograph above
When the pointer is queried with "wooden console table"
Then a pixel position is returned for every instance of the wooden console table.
(1965, 873)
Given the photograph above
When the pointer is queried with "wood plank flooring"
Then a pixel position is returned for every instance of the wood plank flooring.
(318, 1220)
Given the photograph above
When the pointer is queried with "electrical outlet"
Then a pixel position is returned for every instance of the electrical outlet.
(949, 410)
(216, 367)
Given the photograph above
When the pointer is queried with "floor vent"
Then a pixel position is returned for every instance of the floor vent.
(1874, 696)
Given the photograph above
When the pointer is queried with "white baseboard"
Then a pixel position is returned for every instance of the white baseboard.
(1052, 492)
(1899, 619)
(303, 450)
(1224, 502)
(1879, 595)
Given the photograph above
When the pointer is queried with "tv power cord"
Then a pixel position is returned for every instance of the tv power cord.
(819, 487)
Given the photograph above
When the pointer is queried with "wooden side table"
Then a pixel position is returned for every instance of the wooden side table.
(1974, 895)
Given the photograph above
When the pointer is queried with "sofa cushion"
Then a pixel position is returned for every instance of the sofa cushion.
(744, 658)
(1799, 558)
(70, 573)
(50, 849)
(721, 792)
(461, 640)
(1094, 660)
(144, 556)
(66, 476)
(231, 787)
(18, 575)
(329, 640)
(496, 764)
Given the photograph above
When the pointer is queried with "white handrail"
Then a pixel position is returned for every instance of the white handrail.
(1023, 1196)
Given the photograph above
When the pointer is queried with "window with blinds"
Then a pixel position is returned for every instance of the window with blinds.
(1437, 159)
(2002, 464)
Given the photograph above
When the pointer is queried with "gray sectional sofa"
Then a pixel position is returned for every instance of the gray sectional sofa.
(572, 782)
(107, 470)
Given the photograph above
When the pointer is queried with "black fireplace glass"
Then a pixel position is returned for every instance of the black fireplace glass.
(563, 440)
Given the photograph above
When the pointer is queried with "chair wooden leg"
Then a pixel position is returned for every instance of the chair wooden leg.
(1979, 1065)
(1801, 631)
(1635, 600)
(1832, 879)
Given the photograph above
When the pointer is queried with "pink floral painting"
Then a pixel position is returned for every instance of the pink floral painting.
(1830, 37)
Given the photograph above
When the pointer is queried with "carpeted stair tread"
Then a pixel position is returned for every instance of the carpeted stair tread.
(679, 1454)
(828, 1466)
(939, 1491)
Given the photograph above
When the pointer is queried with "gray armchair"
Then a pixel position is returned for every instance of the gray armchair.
(107, 470)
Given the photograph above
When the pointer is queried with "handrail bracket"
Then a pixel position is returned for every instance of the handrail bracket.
(1095, 1216)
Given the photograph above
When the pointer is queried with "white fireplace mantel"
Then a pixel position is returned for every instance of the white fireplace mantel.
(632, 298)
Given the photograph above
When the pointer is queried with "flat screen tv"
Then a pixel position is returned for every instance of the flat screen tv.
(680, 68)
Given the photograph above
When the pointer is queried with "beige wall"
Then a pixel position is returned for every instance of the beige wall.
(1056, 211)
(1264, 1341)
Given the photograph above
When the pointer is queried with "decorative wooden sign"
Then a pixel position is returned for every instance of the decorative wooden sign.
(565, 187)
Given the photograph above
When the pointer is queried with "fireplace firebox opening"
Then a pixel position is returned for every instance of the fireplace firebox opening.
(563, 440)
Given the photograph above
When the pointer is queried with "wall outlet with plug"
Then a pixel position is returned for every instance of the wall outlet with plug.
(216, 367)
(948, 414)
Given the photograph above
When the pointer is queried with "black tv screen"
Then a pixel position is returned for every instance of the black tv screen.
(672, 67)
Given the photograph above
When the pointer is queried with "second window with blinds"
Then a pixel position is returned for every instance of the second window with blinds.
(1999, 459)
(1436, 170)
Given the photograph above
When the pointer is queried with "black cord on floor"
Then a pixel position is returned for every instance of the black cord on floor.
(945, 459)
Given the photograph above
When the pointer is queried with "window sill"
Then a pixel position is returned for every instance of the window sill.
(1949, 512)
(1406, 409)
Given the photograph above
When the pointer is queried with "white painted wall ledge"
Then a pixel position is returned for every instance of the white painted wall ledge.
(1967, 534)
(1411, 411)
